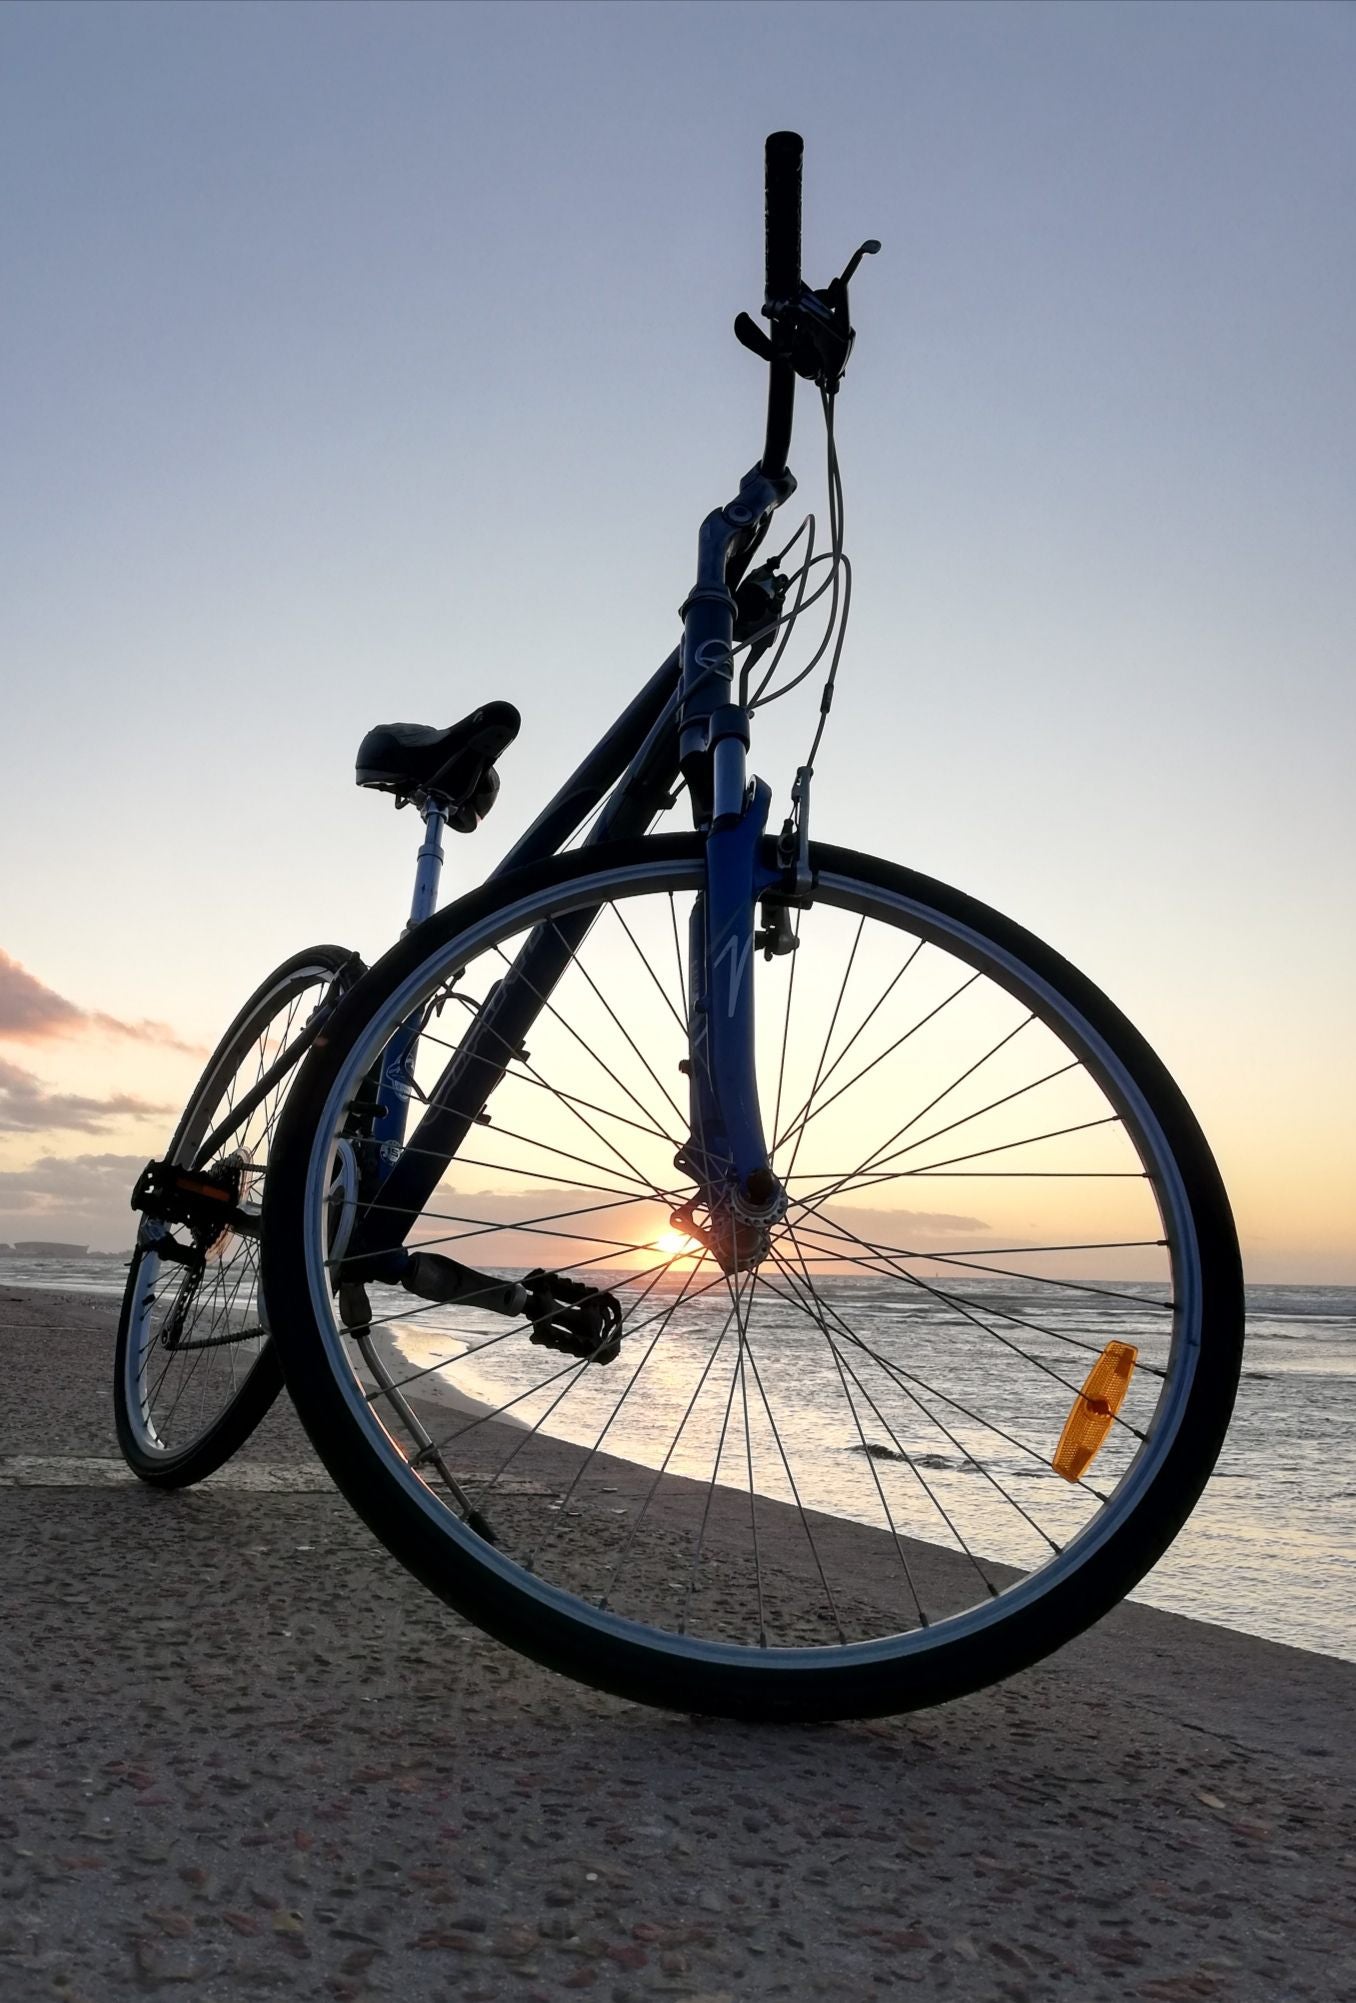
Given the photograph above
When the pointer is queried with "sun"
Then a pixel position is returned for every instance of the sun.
(673, 1244)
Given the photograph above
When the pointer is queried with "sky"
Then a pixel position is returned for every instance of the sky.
(367, 362)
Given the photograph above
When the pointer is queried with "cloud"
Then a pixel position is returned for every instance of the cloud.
(86, 1197)
(906, 1230)
(78, 1196)
(487, 1228)
(26, 1106)
(32, 1013)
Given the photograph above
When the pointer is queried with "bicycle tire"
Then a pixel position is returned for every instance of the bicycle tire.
(224, 1421)
(886, 1674)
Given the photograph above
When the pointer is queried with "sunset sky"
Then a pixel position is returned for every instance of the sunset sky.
(368, 362)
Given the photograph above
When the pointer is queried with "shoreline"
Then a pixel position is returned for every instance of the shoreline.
(435, 1388)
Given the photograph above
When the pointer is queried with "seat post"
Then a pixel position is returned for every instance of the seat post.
(429, 867)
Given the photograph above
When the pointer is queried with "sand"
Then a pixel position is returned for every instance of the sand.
(241, 1753)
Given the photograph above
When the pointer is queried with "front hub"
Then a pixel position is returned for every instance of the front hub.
(735, 1231)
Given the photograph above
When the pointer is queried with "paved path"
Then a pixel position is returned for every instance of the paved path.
(241, 1753)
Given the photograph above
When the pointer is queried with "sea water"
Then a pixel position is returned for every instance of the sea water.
(1270, 1548)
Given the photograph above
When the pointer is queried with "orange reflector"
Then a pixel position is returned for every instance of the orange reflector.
(1094, 1408)
(193, 1185)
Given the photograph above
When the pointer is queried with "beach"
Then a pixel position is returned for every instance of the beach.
(243, 1751)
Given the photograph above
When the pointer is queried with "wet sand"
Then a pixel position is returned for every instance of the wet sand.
(242, 1752)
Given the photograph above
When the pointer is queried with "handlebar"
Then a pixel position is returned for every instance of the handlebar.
(783, 157)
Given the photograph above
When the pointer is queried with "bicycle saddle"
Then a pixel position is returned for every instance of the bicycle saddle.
(454, 767)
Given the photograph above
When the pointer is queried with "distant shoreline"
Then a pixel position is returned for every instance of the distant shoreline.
(47, 1255)
(433, 1385)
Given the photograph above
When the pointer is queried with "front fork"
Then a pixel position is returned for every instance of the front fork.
(726, 1153)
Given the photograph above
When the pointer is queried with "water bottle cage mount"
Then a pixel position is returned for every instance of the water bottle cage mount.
(813, 333)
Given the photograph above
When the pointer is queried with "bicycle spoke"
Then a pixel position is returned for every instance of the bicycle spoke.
(678, 958)
(886, 1511)
(889, 1253)
(529, 1077)
(663, 1466)
(828, 1039)
(662, 1321)
(572, 1102)
(173, 1401)
(759, 1279)
(879, 1159)
(953, 1085)
(872, 1178)
(530, 1432)
(741, 1329)
(900, 1379)
(696, 1558)
(909, 1380)
(585, 1046)
(786, 1027)
(659, 985)
(971, 1314)
(870, 1015)
(810, 1111)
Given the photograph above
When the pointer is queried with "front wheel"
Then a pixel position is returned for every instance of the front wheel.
(959, 1405)
(194, 1370)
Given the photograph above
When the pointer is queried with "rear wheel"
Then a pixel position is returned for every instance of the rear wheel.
(194, 1369)
(954, 1411)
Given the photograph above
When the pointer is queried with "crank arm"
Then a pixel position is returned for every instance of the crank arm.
(433, 1277)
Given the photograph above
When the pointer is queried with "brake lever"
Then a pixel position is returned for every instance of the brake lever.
(815, 335)
(867, 249)
(752, 336)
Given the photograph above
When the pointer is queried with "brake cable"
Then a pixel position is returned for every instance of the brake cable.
(793, 846)
(839, 582)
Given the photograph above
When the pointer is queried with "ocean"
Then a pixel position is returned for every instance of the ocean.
(1270, 1548)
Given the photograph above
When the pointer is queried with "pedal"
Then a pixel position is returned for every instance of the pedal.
(206, 1200)
(574, 1318)
(567, 1315)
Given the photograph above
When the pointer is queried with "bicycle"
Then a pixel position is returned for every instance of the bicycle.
(194, 1368)
(760, 1441)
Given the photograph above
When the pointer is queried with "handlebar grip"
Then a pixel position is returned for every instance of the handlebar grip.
(783, 163)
